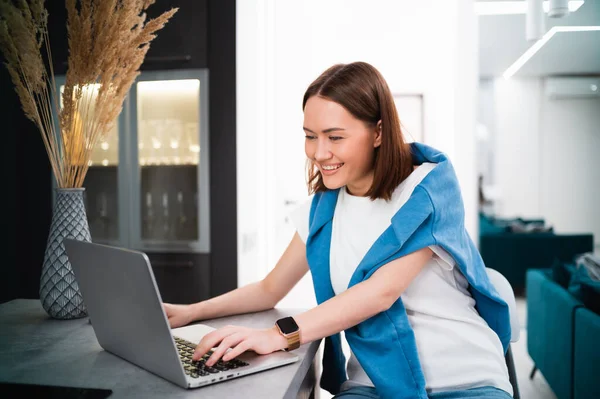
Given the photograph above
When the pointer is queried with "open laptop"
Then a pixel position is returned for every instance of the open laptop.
(126, 312)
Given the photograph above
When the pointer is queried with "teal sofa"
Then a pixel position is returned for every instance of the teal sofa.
(512, 254)
(562, 337)
(586, 354)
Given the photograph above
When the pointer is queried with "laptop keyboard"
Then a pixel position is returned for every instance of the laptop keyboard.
(196, 369)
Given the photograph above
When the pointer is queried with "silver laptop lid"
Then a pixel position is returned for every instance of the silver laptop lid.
(125, 307)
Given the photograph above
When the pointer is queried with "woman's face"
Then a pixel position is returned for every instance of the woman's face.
(341, 146)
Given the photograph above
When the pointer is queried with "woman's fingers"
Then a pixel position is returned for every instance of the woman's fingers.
(231, 341)
(227, 343)
(211, 340)
(238, 350)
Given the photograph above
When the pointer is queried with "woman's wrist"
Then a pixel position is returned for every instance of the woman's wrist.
(279, 340)
(197, 311)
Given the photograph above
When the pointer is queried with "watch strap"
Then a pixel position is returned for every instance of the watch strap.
(293, 340)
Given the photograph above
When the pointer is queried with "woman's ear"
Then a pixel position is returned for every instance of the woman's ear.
(378, 129)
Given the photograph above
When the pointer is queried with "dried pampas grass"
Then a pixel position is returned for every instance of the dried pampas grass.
(108, 40)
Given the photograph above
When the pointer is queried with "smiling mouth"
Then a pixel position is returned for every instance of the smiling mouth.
(329, 168)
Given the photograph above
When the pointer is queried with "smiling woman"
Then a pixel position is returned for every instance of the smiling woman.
(360, 123)
(392, 265)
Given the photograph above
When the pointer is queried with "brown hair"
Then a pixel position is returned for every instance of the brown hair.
(363, 92)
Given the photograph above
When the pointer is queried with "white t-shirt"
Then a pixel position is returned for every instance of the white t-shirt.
(456, 347)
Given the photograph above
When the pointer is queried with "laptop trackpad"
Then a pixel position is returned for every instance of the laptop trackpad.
(192, 332)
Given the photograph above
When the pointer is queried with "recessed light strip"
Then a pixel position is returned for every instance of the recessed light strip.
(513, 7)
(538, 45)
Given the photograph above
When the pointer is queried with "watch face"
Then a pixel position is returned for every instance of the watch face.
(287, 325)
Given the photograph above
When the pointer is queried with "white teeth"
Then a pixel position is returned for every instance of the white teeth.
(332, 167)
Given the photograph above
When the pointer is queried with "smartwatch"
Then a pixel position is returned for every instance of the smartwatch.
(290, 330)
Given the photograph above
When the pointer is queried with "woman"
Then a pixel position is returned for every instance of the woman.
(392, 264)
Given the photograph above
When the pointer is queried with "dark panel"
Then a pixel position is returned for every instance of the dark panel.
(181, 43)
(34, 206)
(57, 33)
(29, 192)
(181, 278)
(9, 108)
(221, 63)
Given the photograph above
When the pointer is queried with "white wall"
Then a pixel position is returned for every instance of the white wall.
(425, 46)
(517, 116)
(484, 131)
(570, 165)
(466, 72)
(546, 156)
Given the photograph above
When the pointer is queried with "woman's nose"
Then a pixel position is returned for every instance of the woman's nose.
(322, 152)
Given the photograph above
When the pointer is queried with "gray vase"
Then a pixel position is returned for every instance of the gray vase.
(59, 291)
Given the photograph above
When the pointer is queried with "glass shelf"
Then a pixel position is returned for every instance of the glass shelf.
(168, 117)
(147, 183)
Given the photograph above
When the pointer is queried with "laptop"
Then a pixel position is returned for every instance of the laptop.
(126, 312)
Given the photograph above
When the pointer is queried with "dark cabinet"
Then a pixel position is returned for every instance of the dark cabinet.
(201, 35)
(148, 184)
(181, 44)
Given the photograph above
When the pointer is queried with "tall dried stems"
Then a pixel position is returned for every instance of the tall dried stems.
(108, 41)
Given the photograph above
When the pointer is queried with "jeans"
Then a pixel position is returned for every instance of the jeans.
(475, 393)
(358, 393)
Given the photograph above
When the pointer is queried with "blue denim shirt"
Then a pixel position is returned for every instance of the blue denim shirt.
(385, 343)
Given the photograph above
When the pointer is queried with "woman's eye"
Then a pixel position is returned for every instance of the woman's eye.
(310, 137)
(335, 138)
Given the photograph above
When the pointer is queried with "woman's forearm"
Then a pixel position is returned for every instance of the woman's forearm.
(249, 298)
(363, 300)
(341, 312)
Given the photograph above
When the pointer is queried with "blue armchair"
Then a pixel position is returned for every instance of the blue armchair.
(562, 337)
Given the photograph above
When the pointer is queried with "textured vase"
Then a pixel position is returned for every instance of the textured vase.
(59, 291)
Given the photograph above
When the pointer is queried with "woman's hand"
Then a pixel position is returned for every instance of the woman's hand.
(239, 340)
(178, 315)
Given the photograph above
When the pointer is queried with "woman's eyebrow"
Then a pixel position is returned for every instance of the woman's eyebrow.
(331, 129)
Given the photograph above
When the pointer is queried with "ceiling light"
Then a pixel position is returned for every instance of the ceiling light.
(513, 7)
(558, 8)
(535, 26)
(538, 45)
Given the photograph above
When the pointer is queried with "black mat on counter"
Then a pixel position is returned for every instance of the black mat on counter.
(14, 390)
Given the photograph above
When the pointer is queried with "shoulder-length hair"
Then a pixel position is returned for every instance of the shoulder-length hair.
(362, 91)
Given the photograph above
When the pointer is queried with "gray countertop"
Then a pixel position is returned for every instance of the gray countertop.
(37, 349)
